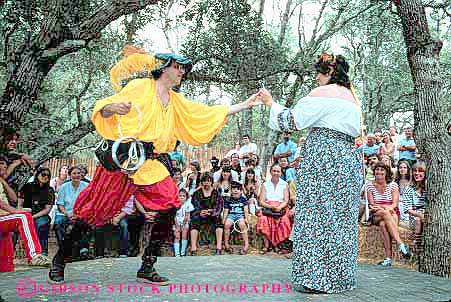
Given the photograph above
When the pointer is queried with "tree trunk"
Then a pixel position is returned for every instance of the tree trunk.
(431, 136)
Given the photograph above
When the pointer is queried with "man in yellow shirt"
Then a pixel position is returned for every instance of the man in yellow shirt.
(147, 108)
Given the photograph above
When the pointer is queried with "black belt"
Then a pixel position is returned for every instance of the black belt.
(104, 155)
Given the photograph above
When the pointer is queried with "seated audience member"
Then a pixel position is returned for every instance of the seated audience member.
(223, 184)
(116, 228)
(236, 211)
(67, 196)
(208, 205)
(181, 227)
(416, 198)
(214, 162)
(383, 197)
(225, 162)
(274, 223)
(371, 161)
(56, 183)
(20, 165)
(38, 198)
(251, 189)
(12, 219)
(288, 173)
(388, 161)
(257, 169)
(178, 179)
(404, 181)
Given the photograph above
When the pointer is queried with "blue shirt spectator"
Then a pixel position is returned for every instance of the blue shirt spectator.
(405, 153)
(370, 147)
(67, 196)
(287, 148)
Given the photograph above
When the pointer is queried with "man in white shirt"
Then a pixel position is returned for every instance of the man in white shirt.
(233, 151)
(247, 149)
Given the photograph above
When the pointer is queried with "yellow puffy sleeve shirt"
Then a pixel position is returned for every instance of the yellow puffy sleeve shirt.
(188, 121)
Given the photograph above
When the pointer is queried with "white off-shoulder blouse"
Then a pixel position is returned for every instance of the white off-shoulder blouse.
(332, 113)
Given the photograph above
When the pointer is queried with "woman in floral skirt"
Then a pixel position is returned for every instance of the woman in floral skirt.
(329, 179)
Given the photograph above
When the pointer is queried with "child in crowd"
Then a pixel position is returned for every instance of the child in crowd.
(236, 211)
(182, 219)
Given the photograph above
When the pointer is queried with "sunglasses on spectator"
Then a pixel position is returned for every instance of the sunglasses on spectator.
(45, 174)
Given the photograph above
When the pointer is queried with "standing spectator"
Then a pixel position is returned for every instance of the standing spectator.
(178, 157)
(383, 198)
(248, 148)
(407, 147)
(236, 210)
(208, 205)
(233, 151)
(38, 198)
(225, 162)
(370, 147)
(193, 179)
(274, 224)
(387, 146)
(182, 220)
(395, 138)
(235, 165)
(285, 149)
(67, 195)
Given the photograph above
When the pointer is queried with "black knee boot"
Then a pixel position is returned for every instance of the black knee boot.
(147, 272)
(65, 236)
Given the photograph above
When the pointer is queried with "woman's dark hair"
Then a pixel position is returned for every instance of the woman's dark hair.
(206, 176)
(409, 171)
(273, 165)
(388, 176)
(183, 190)
(39, 171)
(195, 164)
(246, 180)
(226, 169)
(339, 66)
(73, 168)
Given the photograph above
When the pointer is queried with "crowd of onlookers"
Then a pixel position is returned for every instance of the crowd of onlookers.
(394, 190)
(233, 195)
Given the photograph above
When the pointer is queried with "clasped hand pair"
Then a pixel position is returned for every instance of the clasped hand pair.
(261, 97)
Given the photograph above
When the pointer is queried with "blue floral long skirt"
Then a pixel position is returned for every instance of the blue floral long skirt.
(325, 236)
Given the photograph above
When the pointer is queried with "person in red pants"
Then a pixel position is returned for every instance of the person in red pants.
(10, 220)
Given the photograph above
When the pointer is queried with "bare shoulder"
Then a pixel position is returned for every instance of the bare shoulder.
(332, 91)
